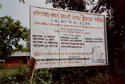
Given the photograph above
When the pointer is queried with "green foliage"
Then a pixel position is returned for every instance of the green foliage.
(78, 5)
(115, 30)
(23, 1)
(11, 33)
(1, 66)
(77, 75)
(99, 79)
(107, 78)
(16, 75)
(68, 76)
(42, 76)
(116, 44)
(115, 24)
(19, 75)
(80, 75)
(0, 5)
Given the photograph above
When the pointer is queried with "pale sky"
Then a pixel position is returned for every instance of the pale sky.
(20, 11)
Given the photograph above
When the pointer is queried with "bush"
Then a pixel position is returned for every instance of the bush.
(108, 78)
(74, 75)
(79, 75)
(99, 79)
(16, 75)
(1, 66)
(42, 76)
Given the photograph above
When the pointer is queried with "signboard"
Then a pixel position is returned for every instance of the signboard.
(62, 38)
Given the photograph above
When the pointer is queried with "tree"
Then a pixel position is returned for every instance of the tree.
(116, 29)
(0, 5)
(11, 33)
(115, 25)
(78, 5)
(23, 1)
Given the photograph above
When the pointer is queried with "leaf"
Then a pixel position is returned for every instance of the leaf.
(0, 5)
(11, 33)
(23, 1)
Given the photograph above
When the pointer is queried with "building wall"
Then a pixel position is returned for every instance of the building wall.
(17, 61)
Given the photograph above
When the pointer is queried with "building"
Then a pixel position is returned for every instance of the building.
(18, 58)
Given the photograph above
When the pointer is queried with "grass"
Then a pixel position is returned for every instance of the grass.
(15, 75)
(19, 75)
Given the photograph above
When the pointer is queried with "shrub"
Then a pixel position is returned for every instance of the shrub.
(99, 79)
(42, 76)
(1, 66)
(16, 75)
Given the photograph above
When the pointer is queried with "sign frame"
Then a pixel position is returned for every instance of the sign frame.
(105, 37)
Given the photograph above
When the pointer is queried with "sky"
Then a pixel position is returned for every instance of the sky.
(20, 11)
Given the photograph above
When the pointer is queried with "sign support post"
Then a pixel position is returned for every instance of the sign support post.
(32, 69)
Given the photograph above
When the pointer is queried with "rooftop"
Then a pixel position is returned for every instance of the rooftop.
(20, 54)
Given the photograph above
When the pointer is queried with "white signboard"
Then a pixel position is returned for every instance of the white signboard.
(61, 38)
